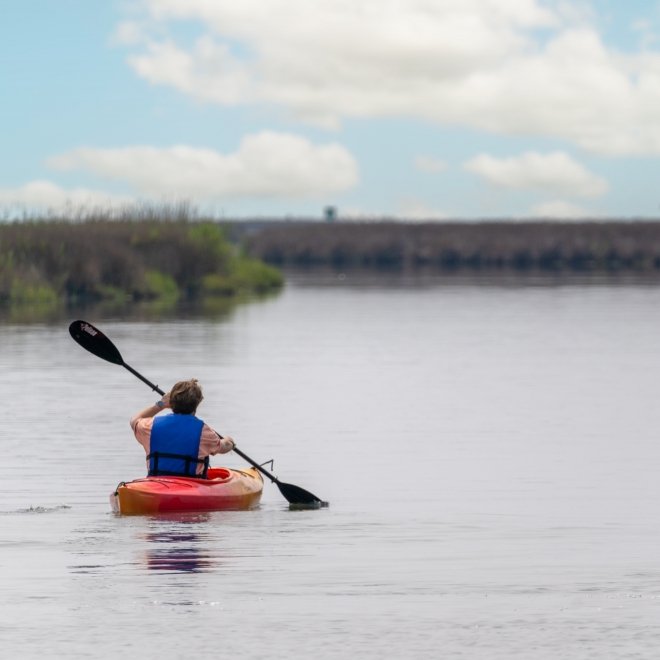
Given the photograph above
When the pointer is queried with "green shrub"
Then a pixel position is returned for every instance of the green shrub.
(160, 285)
(37, 293)
(125, 259)
(256, 275)
(247, 275)
(218, 285)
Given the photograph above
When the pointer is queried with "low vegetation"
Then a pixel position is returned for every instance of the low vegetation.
(454, 246)
(128, 259)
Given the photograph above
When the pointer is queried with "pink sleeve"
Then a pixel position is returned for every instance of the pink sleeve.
(210, 443)
(142, 430)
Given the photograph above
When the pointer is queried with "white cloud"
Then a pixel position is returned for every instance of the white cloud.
(514, 67)
(430, 165)
(209, 72)
(44, 195)
(561, 210)
(646, 31)
(555, 173)
(128, 33)
(266, 165)
(416, 211)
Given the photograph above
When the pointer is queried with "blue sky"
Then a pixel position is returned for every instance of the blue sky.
(418, 109)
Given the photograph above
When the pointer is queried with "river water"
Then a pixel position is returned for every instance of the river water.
(490, 453)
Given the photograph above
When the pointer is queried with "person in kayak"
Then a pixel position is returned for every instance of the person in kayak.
(178, 444)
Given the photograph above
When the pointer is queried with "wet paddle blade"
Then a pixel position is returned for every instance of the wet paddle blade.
(300, 498)
(94, 341)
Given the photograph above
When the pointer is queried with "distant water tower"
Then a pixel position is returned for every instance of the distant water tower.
(330, 213)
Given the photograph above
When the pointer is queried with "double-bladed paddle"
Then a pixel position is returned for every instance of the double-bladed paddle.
(93, 340)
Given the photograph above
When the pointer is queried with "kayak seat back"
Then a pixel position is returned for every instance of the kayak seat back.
(188, 465)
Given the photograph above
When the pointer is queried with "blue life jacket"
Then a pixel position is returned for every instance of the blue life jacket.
(175, 446)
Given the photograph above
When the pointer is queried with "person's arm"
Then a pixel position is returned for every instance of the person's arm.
(226, 444)
(152, 410)
(212, 444)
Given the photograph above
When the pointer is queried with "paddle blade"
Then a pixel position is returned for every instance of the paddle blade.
(94, 341)
(300, 498)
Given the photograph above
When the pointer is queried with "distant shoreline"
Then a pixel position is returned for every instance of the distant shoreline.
(523, 247)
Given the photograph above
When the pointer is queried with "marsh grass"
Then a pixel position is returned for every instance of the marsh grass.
(126, 259)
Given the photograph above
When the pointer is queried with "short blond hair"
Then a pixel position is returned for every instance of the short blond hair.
(185, 396)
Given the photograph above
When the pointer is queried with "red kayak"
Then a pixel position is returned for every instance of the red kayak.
(224, 489)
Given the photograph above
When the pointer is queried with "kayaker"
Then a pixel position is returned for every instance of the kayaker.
(179, 443)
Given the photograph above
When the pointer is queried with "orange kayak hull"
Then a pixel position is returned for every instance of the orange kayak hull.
(226, 489)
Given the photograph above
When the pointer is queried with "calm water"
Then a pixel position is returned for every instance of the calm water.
(490, 453)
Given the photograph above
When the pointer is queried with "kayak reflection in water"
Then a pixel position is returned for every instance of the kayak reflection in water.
(180, 443)
(179, 545)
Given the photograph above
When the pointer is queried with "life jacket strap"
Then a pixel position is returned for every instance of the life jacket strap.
(189, 460)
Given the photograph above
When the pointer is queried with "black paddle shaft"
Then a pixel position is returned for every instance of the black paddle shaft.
(155, 388)
(94, 341)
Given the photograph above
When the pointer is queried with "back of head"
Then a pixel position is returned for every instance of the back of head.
(185, 396)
